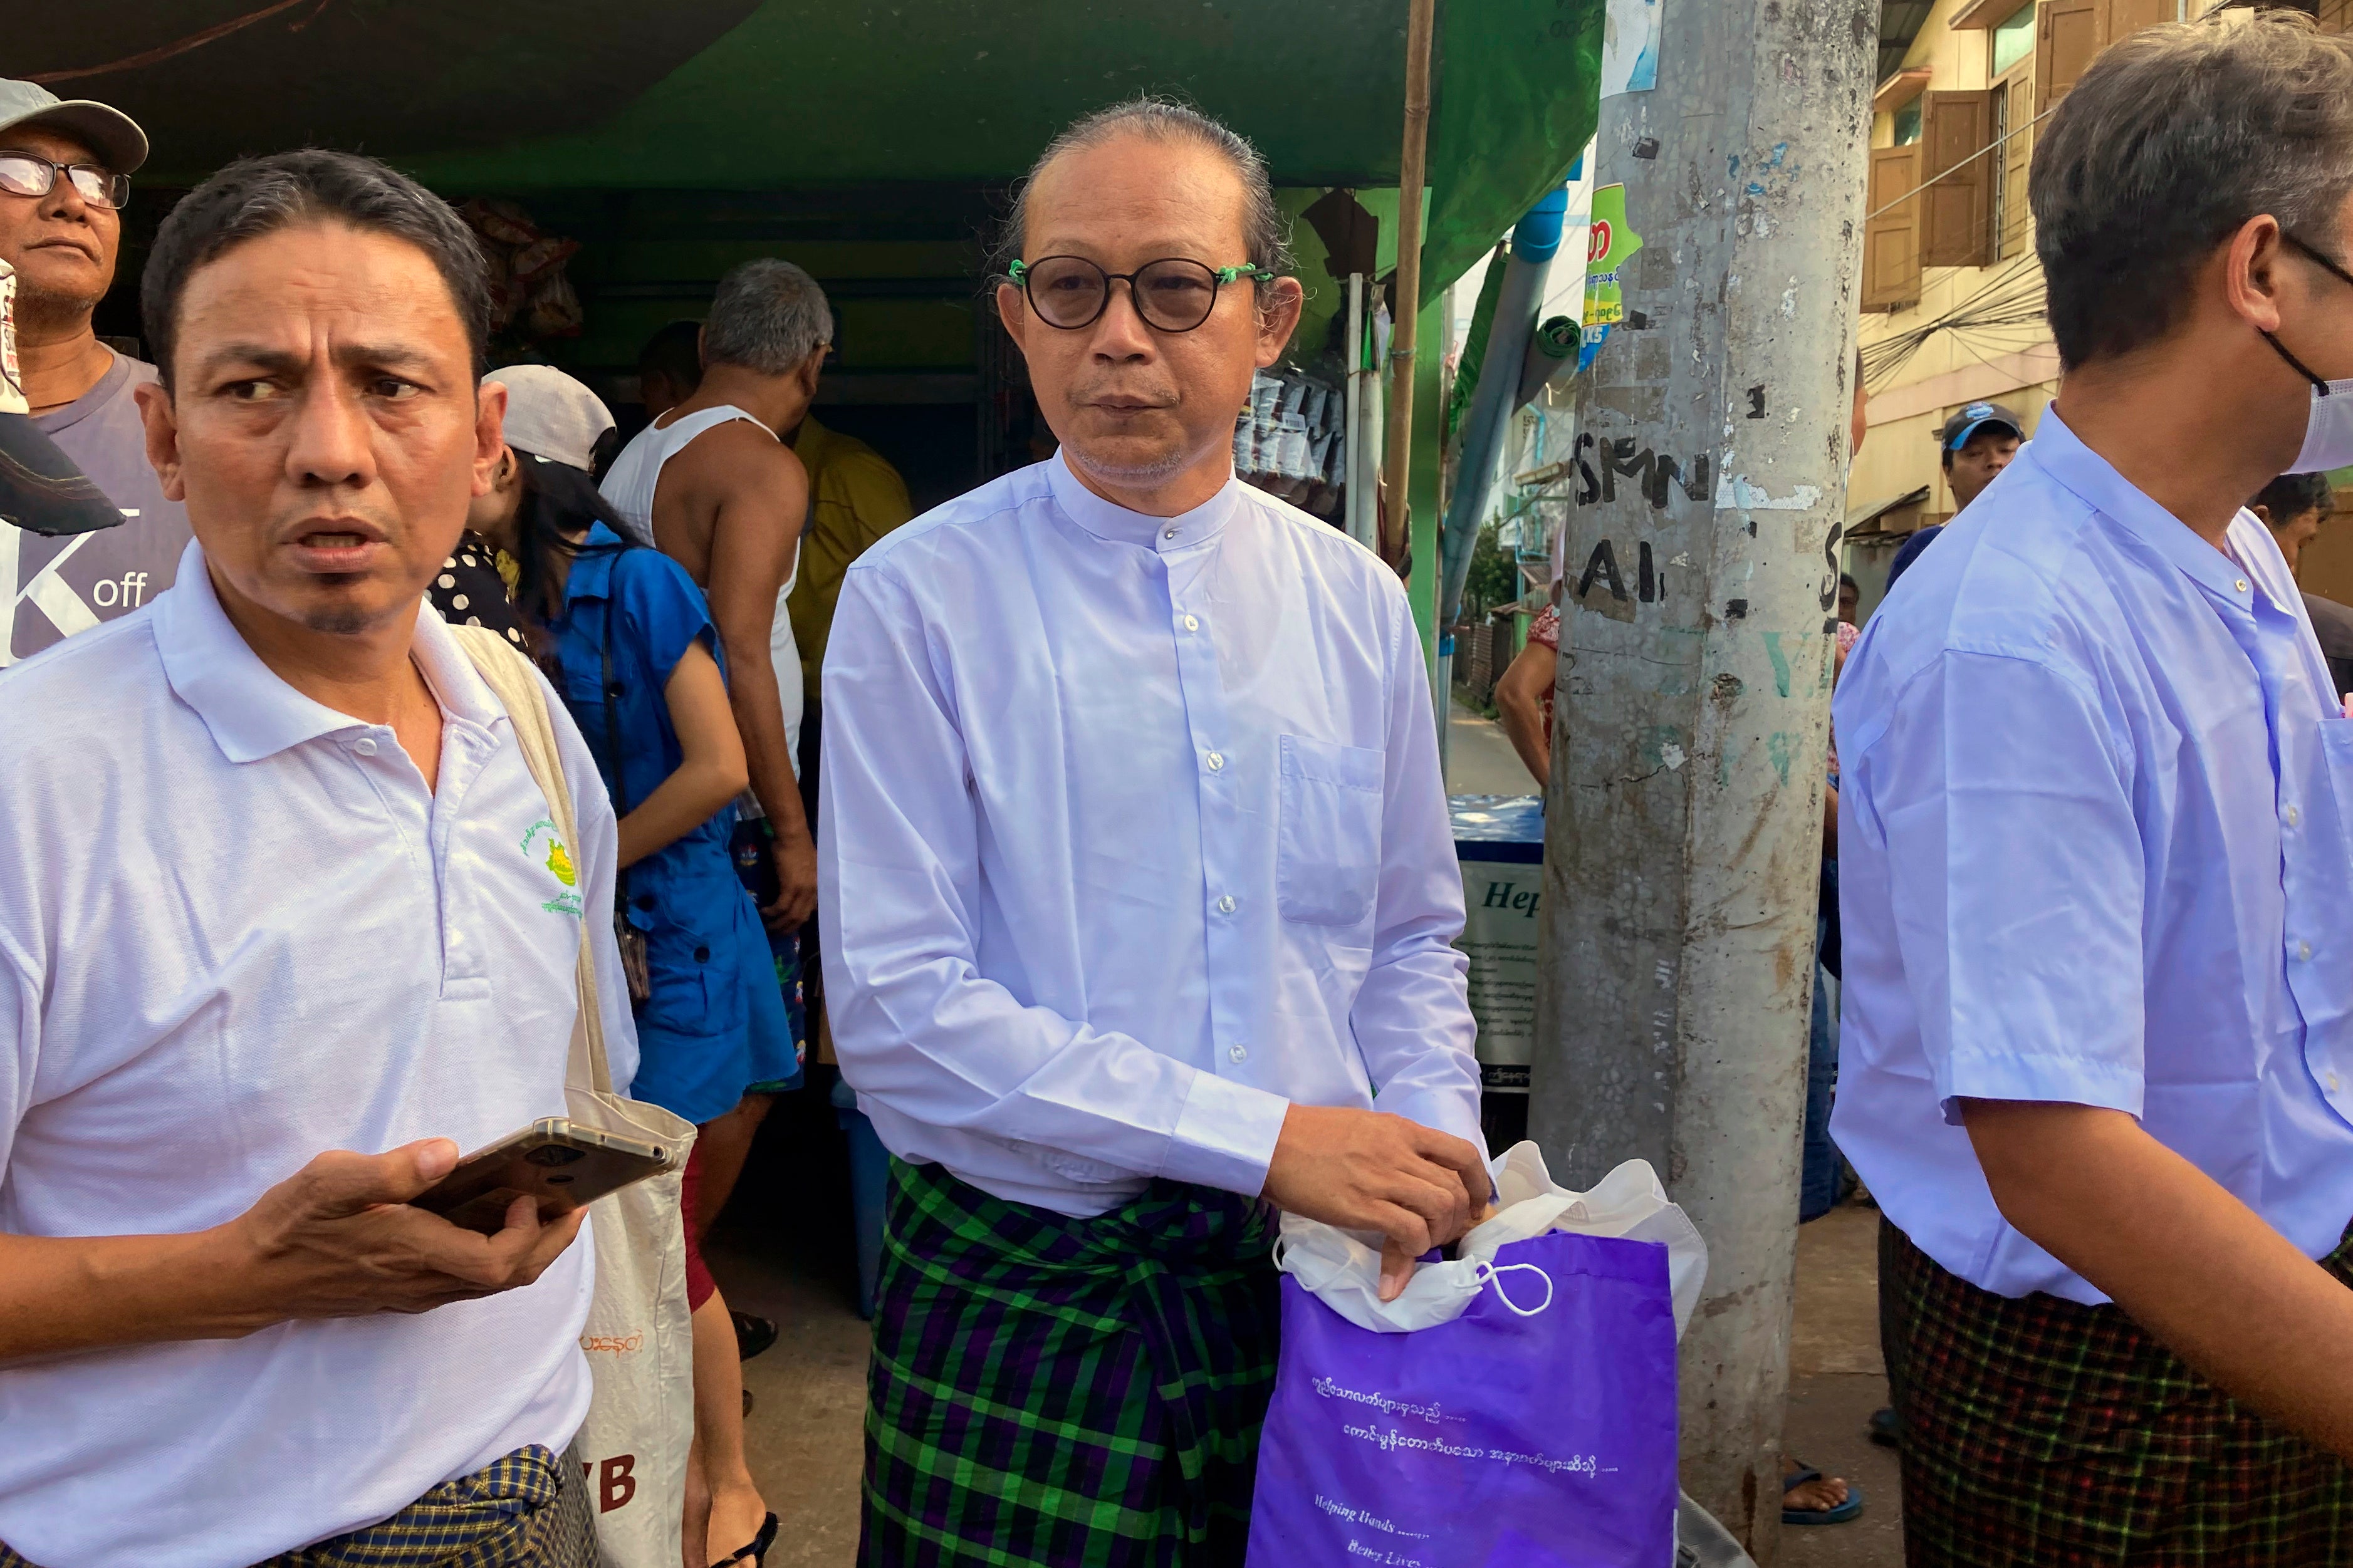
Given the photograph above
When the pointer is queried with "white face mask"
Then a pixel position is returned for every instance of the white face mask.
(2329, 424)
(2327, 430)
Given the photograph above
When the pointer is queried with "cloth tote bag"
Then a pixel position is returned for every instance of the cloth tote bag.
(1515, 1409)
(638, 1339)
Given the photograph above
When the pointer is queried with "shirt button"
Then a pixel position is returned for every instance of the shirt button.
(2304, 950)
(365, 746)
(2293, 816)
(1226, 905)
(702, 955)
(1237, 1054)
(2241, 584)
(1169, 534)
(1191, 624)
(1217, 761)
(2332, 1083)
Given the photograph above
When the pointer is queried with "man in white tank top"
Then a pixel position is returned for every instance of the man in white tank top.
(631, 484)
(709, 484)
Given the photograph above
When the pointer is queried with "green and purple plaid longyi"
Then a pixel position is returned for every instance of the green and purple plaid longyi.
(2040, 1433)
(1066, 1393)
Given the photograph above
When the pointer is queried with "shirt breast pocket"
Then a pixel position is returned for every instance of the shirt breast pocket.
(1328, 856)
(2337, 763)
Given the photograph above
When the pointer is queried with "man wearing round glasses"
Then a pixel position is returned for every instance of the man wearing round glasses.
(1135, 856)
(64, 176)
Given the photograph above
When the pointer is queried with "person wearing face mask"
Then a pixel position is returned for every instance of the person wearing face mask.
(2097, 1029)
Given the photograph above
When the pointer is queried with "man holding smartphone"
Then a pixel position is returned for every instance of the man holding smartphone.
(284, 926)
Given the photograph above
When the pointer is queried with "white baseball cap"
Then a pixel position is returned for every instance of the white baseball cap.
(551, 416)
(102, 128)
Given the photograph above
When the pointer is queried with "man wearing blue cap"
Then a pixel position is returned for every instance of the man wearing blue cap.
(1978, 444)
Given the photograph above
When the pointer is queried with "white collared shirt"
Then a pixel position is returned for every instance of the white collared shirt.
(2095, 846)
(236, 930)
(1133, 834)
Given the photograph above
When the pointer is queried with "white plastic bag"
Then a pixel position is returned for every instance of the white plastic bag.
(1342, 1268)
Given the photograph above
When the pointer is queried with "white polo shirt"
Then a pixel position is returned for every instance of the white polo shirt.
(235, 930)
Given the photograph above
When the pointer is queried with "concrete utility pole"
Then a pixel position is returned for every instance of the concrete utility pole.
(1684, 822)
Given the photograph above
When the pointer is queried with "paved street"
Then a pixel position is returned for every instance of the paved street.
(1480, 761)
(1836, 1381)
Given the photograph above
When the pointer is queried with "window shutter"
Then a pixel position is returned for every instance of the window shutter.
(2128, 17)
(1891, 242)
(2069, 34)
(1957, 219)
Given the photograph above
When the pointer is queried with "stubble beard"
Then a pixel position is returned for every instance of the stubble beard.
(342, 623)
(50, 315)
(1135, 476)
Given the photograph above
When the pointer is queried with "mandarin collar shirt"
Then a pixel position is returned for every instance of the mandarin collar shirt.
(236, 930)
(1133, 834)
(2095, 847)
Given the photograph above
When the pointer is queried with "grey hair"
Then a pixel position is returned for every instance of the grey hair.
(2170, 141)
(257, 197)
(768, 316)
(1266, 233)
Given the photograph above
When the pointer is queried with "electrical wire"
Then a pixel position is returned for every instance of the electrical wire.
(179, 47)
(2009, 304)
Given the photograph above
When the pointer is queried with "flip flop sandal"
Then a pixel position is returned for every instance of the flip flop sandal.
(753, 1334)
(757, 1553)
(1839, 1515)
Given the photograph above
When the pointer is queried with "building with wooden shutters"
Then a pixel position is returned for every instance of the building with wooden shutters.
(1952, 295)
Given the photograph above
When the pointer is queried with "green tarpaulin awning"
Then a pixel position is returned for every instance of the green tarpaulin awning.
(536, 95)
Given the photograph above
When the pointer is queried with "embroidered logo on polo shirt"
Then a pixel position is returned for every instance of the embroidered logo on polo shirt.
(558, 861)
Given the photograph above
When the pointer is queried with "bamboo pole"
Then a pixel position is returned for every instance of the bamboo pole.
(1406, 297)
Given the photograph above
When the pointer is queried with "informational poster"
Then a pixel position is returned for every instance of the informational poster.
(1609, 243)
(1629, 46)
(1499, 841)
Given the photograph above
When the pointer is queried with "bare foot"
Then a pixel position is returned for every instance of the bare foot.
(1818, 1496)
(736, 1515)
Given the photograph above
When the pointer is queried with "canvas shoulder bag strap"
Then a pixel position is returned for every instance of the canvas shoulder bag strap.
(515, 682)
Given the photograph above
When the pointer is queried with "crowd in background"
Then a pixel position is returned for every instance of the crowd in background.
(2084, 881)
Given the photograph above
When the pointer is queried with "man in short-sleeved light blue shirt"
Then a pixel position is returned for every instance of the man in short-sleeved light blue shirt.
(2095, 861)
(2070, 874)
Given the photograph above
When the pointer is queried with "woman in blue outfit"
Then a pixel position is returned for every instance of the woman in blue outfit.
(627, 639)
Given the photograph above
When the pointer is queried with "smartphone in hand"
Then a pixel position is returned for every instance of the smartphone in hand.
(559, 1164)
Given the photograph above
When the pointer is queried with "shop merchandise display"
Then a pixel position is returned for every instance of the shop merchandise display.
(529, 291)
(1291, 443)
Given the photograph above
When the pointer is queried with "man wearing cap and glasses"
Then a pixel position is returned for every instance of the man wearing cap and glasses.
(1978, 444)
(1135, 854)
(65, 175)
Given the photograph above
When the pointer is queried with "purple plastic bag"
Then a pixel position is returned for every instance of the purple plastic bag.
(1494, 1441)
